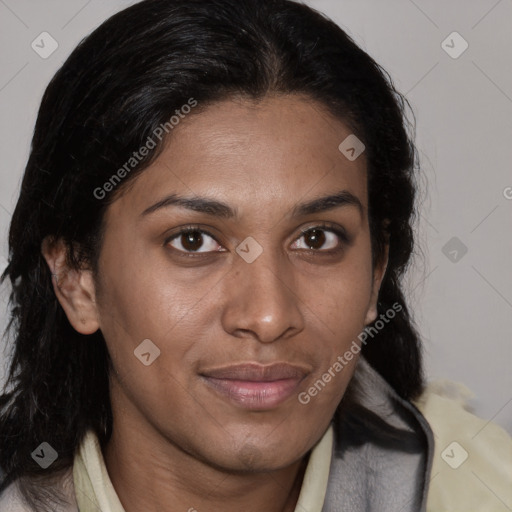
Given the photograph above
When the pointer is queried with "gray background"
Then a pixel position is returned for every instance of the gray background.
(462, 303)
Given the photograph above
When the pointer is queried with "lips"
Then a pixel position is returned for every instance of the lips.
(253, 386)
(257, 373)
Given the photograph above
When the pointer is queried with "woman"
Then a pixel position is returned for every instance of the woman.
(206, 261)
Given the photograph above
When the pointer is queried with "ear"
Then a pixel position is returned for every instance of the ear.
(74, 288)
(378, 275)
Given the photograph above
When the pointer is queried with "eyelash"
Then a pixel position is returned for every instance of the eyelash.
(324, 226)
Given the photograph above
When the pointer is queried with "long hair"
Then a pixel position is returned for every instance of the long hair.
(121, 83)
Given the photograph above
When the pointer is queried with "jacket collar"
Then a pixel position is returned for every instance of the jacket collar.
(382, 451)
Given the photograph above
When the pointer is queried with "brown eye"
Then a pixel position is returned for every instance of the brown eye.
(321, 239)
(192, 240)
(315, 238)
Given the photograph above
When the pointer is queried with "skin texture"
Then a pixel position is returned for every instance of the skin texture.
(175, 440)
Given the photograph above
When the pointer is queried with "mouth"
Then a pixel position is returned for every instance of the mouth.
(253, 386)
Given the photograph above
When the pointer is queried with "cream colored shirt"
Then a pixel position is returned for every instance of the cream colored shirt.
(94, 490)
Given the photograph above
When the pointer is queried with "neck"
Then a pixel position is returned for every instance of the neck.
(150, 473)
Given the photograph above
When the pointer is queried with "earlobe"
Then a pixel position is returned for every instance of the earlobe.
(74, 288)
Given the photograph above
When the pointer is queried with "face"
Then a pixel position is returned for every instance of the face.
(260, 282)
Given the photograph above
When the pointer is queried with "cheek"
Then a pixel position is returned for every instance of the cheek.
(146, 297)
(150, 328)
(339, 305)
(326, 389)
(343, 296)
(171, 307)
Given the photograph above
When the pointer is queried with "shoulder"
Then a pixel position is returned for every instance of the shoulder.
(12, 499)
(472, 460)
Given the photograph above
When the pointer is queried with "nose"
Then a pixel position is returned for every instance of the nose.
(262, 303)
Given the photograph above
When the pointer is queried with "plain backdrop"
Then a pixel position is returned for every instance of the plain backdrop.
(460, 290)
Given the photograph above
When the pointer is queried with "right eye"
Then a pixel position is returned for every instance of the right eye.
(191, 240)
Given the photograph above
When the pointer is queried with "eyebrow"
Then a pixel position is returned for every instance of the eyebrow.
(219, 209)
(325, 203)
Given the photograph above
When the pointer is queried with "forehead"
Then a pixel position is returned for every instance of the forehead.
(254, 155)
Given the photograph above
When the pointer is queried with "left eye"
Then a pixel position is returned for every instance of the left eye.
(316, 238)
